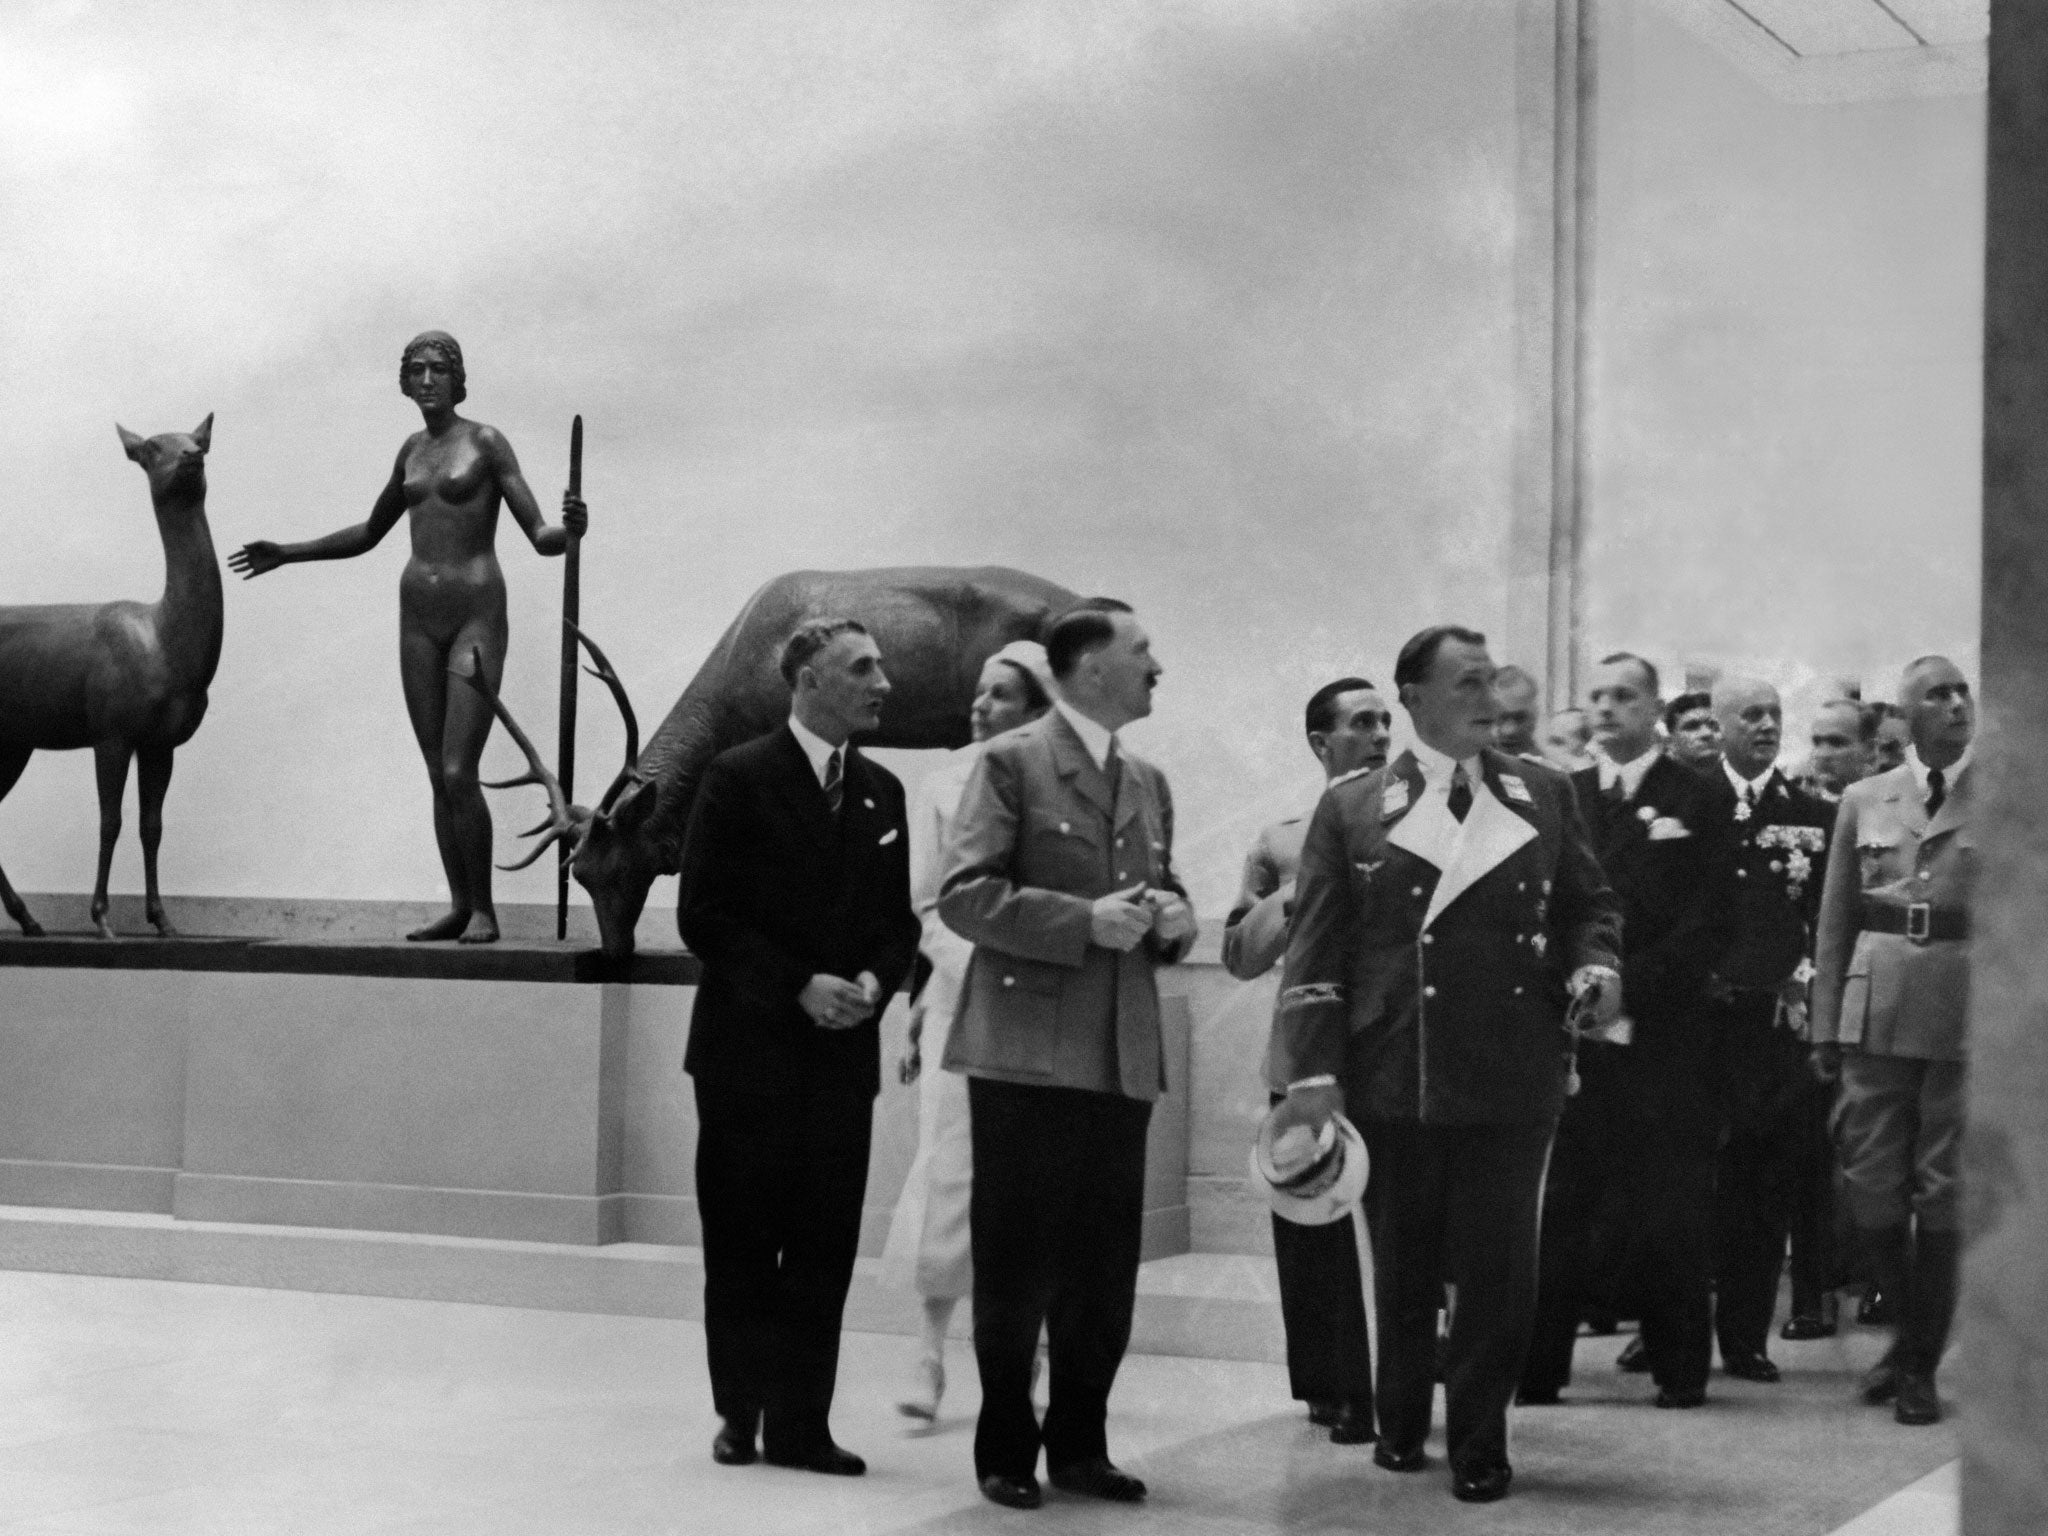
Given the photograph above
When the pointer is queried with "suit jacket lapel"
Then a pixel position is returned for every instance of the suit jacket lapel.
(1490, 833)
(1419, 827)
(803, 792)
(1071, 760)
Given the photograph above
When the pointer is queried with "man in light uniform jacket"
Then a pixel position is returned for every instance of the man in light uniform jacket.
(1444, 906)
(1889, 1006)
(1062, 877)
(1322, 1294)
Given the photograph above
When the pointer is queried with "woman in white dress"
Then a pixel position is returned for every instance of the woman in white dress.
(927, 1248)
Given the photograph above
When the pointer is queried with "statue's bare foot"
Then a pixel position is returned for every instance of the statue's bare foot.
(30, 928)
(106, 929)
(449, 926)
(161, 921)
(482, 929)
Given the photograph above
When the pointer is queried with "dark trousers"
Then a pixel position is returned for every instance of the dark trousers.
(1766, 1169)
(780, 1180)
(1055, 1223)
(1817, 1266)
(1322, 1309)
(1664, 1186)
(1453, 1204)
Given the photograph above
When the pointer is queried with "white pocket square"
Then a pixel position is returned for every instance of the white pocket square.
(1665, 828)
(887, 838)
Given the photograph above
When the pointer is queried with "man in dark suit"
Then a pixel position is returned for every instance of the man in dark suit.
(1445, 906)
(1062, 877)
(1322, 1296)
(1777, 1167)
(795, 895)
(1636, 1144)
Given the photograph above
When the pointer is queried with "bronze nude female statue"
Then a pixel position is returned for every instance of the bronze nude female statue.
(451, 476)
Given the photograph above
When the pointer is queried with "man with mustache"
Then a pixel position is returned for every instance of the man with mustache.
(1062, 877)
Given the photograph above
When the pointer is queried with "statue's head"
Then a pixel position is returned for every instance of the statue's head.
(436, 344)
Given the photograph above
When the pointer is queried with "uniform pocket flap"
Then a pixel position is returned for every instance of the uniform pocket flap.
(1053, 824)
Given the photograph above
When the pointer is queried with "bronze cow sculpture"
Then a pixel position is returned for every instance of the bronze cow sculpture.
(936, 625)
(128, 680)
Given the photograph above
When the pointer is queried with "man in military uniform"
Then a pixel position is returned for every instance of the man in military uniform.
(1776, 1168)
(1322, 1294)
(1633, 1170)
(1444, 906)
(1891, 991)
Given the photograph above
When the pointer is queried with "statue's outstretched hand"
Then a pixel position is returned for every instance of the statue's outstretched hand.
(256, 557)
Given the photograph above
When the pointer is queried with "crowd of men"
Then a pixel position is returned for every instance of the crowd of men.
(1615, 1017)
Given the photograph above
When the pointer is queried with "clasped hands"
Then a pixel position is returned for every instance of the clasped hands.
(1120, 920)
(833, 1002)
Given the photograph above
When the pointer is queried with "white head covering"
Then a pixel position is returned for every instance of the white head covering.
(1029, 655)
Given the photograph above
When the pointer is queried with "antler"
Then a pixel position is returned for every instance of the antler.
(603, 673)
(561, 819)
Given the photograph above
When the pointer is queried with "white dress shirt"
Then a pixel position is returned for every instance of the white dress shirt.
(817, 749)
(1628, 775)
(1949, 775)
(1755, 786)
(1437, 769)
(1097, 738)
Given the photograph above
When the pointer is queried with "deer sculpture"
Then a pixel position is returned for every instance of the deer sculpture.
(936, 626)
(126, 679)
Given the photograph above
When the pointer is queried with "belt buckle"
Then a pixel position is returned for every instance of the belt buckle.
(1919, 922)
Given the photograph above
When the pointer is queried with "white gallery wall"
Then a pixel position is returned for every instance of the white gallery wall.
(1209, 305)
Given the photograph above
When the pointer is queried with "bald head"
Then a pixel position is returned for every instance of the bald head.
(1752, 724)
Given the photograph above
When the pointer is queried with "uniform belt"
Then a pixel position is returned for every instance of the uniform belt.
(1920, 921)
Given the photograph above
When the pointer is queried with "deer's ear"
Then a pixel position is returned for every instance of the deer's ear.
(203, 434)
(137, 448)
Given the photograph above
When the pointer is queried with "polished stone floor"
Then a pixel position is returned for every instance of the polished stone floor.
(151, 1408)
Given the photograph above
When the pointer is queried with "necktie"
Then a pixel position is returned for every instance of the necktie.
(1460, 799)
(1113, 767)
(835, 781)
(1937, 790)
(1614, 790)
(1749, 797)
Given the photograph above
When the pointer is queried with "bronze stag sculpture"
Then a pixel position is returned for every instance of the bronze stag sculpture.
(128, 680)
(936, 625)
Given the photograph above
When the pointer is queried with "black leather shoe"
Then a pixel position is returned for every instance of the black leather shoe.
(1750, 1367)
(1098, 1478)
(733, 1445)
(1918, 1402)
(1012, 1492)
(1324, 1414)
(1384, 1455)
(1818, 1322)
(1634, 1357)
(1880, 1384)
(1482, 1485)
(1600, 1323)
(1353, 1426)
(1537, 1397)
(1878, 1309)
(1689, 1397)
(819, 1456)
